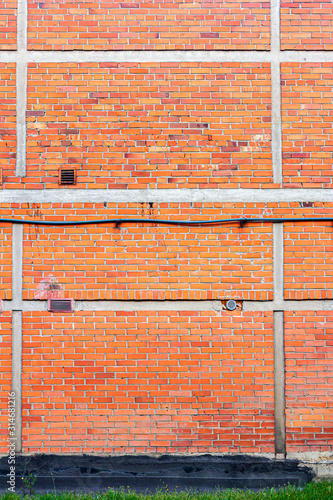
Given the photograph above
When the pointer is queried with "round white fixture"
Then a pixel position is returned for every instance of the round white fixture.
(231, 305)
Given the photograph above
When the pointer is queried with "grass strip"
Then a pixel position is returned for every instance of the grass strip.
(312, 491)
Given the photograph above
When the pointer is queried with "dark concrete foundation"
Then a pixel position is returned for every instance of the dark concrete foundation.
(146, 473)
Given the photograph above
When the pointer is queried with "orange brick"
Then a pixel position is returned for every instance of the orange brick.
(173, 406)
(306, 25)
(8, 120)
(309, 370)
(99, 25)
(148, 261)
(306, 117)
(130, 125)
(8, 25)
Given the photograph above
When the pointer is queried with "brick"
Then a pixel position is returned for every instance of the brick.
(99, 25)
(308, 265)
(306, 117)
(150, 261)
(7, 120)
(5, 259)
(8, 25)
(309, 381)
(129, 135)
(162, 404)
(306, 25)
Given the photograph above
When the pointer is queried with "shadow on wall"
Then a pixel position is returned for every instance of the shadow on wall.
(147, 473)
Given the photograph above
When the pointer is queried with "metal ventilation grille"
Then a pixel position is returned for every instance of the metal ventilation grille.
(60, 305)
(67, 176)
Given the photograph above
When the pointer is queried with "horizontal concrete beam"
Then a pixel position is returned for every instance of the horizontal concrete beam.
(169, 56)
(119, 305)
(175, 305)
(289, 305)
(164, 195)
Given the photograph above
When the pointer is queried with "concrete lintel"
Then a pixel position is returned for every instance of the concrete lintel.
(289, 305)
(146, 56)
(45, 56)
(175, 305)
(305, 56)
(165, 195)
(125, 305)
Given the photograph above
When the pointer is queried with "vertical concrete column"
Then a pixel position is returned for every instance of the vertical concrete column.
(21, 87)
(278, 253)
(279, 386)
(276, 123)
(279, 358)
(17, 376)
(278, 259)
(275, 25)
(17, 282)
(276, 92)
(17, 266)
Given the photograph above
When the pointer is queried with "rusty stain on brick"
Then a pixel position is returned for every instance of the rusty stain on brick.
(73, 131)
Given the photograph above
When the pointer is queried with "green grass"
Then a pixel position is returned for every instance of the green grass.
(312, 491)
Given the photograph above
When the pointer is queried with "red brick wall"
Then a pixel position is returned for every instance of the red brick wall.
(307, 25)
(226, 358)
(7, 120)
(148, 382)
(156, 125)
(306, 124)
(309, 371)
(5, 378)
(308, 260)
(8, 26)
(86, 25)
(165, 381)
(144, 261)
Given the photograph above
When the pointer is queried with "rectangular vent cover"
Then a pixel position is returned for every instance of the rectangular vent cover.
(67, 176)
(60, 305)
